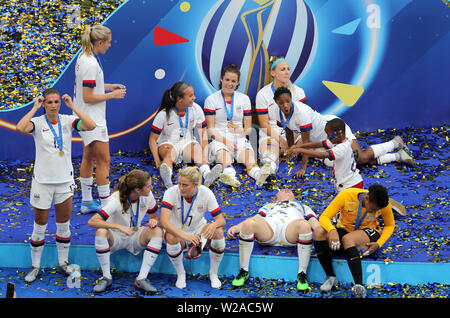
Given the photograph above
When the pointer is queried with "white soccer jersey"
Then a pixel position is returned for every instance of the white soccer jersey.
(113, 211)
(169, 129)
(265, 103)
(286, 211)
(304, 119)
(344, 165)
(88, 73)
(49, 166)
(240, 106)
(205, 201)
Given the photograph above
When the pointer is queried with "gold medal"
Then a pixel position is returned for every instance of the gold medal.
(61, 153)
(135, 228)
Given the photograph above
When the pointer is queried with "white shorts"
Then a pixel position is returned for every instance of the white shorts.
(125, 242)
(100, 133)
(215, 146)
(179, 147)
(43, 194)
(279, 233)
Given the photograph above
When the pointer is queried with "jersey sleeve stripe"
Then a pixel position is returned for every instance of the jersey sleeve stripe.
(156, 130)
(153, 210)
(331, 154)
(262, 111)
(76, 124)
(103, 214)
(209, 111)
(262, 213)
(303, 99)
(305, 128)
(248, 112)
(204, 124)
(215, 212)
(89, 83)
(166, 205)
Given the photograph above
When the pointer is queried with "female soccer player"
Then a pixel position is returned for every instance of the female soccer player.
(182, 216)
(228, 117)
(119, 227)
(90, 97)
(172, 138)
(310, 125)
(53, 180)
(271, 137)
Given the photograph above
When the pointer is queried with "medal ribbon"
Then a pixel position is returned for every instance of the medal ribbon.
(184, 219)
(186, 123)
(285, 123)
(58, 139)
(134, 217)
(358, 219)
(231, 111)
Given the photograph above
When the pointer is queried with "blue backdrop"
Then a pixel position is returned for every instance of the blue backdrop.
(396, 50)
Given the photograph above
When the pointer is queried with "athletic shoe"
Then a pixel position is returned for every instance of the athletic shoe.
(211, 176)
(64, 269)
(34, 273)
(359, 291)
(405, 158)
(229, 180)
(102, 285)
(400, 144)
(215, 282)
(166, 175)
(265, 173)
(302, 282)
(329, 284)
(241, 278)
(90, 207)
(145, 285)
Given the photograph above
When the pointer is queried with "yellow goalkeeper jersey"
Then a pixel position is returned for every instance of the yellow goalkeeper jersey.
(347, 203)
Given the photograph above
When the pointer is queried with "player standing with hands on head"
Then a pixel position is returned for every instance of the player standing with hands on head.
(53, 180)
(119, 227)
(229, 120)
(182, 216)
(90, 97)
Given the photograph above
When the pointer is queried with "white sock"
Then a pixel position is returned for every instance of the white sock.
(63, 241)
(37, 242)
(86, 189)
(383, 148)
(103, 192)
(204, 169)
(246, 243)
(387, 158)
(255, 172)
(103, 255)
(304, 246)
(175, 253)
(229, 170)
(150, 255)
(216, 254)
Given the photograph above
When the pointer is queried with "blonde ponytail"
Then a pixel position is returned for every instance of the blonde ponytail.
(92, 35)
